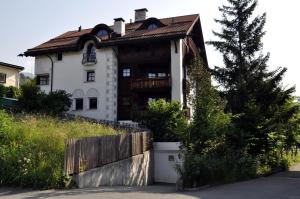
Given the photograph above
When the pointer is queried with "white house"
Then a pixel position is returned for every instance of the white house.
(10, 74)
(113, 71)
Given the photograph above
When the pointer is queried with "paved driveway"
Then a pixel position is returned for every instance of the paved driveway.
(280, 186)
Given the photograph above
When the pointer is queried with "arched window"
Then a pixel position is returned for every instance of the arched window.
(102, 33)
(152, 26)
(90, 55)
(91, 49)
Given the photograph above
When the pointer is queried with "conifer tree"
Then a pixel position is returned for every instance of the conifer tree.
(254, 93)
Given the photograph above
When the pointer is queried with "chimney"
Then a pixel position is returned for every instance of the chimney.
(140, 14)
(119, 26)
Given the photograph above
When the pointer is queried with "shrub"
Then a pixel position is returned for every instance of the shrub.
(33, 100)
(12, 92)
(56, 102)
(165, 119)
(2, 90)
(32, 148)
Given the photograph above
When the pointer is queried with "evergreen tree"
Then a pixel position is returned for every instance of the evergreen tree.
(254, 93)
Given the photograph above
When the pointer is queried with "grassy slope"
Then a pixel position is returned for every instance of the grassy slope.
(32, 151)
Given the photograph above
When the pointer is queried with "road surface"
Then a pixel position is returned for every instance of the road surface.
(284, 185)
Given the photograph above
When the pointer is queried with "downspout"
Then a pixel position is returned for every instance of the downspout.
(52, 66)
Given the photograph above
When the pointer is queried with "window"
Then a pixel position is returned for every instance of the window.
(161, 75)
(42, 80)
(90, 55)
(90, 76)
(59, 56)
(126, 72)
(93, 103)
(151, 75)
(78, 104)
(126, 101)
(152, 26)
(102, 33)
(2, 78)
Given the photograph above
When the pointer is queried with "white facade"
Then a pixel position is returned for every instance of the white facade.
(177, 70)
(70, 75)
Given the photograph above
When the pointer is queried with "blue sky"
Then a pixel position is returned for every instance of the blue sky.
(27, 23)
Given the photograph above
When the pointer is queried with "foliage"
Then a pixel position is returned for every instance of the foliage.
(33, 100)
(24, 78)
(2, 90)
(209, 123)
(9, 92)
(209, 155)
(165, 119)
(254, 93)
(32, 148)
(12, 92)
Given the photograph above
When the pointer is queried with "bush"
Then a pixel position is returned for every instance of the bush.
(10, 92)
(165, 119)
(32, 100)
(2, 90)
(32, 148)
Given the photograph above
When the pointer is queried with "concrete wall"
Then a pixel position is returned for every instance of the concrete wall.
(166, 157)
(134, 171)
(70, 75)
(12, 76)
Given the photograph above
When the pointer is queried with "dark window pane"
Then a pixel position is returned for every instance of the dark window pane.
(126, 101)
(2, 78)
(90, 76)
(79, 104)
(93, 103)
(59, 56)
(43, 80)
(102, 33)
(152, 26)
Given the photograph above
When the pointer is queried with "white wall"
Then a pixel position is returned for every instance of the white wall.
(177, 71)
(70, 75)
(12, 76)
(164, 165)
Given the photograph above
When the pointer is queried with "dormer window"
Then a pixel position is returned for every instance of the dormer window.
(152, 26)
(90, 56)
(102, 33)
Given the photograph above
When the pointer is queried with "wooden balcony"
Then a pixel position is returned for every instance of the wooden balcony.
(151, 83)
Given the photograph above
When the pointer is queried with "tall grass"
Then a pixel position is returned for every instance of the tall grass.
(32, 148)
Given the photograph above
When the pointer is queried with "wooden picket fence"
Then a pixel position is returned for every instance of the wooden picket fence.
(88, 153)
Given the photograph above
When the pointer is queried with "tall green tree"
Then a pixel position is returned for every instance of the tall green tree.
(210, 123)
(254, 93)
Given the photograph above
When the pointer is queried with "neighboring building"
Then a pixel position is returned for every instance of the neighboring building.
(10, 74)
(112, 71)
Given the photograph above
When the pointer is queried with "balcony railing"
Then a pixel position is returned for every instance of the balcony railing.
(89, 58)
(150, 83)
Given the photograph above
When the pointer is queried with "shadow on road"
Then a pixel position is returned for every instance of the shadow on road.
(281, 185)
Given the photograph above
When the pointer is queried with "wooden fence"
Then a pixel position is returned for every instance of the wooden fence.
(88, 153)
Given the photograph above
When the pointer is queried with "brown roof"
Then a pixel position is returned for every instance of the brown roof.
(173, 27)
(11, 66)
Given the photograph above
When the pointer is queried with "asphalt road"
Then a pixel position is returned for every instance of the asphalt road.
(284, 185)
